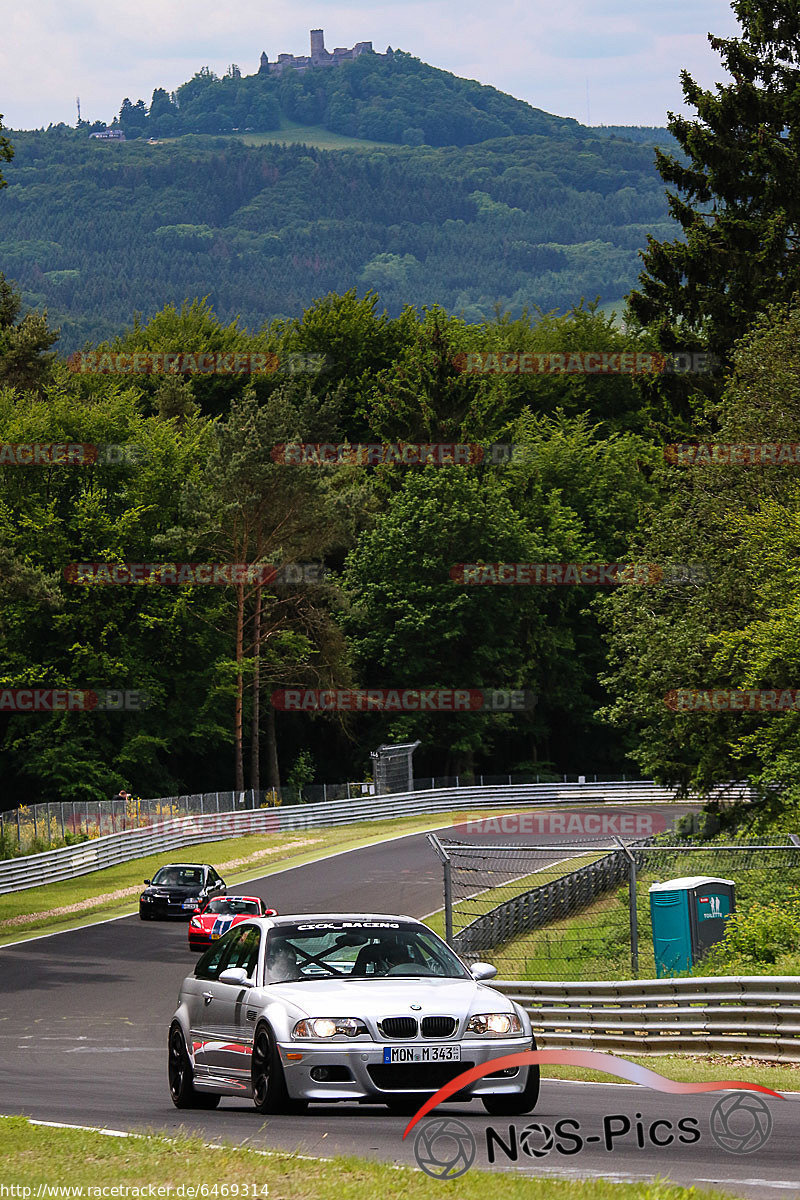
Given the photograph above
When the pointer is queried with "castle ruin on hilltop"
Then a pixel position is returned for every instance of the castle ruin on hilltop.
(319, 56)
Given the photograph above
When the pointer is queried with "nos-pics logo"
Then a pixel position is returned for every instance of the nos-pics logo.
(445, 1148)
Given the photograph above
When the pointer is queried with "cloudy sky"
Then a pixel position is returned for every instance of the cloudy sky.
(614, 61)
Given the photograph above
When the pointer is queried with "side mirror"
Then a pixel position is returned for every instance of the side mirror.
(481, 970)
(237, 976)
(147, 880)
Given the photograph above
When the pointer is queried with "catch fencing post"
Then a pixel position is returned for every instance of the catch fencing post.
(633, 914)
(448, 887)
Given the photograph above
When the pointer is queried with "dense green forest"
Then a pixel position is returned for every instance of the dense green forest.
(95, 232)
(594, 480)
(204, 487)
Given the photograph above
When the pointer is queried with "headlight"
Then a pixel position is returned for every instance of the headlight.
(191, 902)
(328, 1027)
(494, 1024)
(195, 921)
(147, 899)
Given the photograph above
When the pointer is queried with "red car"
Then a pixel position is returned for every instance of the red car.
(218, 915)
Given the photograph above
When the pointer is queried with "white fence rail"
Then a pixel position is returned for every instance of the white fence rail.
(33, 870)
(755, 1015)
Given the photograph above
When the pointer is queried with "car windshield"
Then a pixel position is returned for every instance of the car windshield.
(231, 906)
(179, 877)
(357, 950)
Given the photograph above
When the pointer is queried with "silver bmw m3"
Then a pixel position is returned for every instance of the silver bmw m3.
(370, 1008)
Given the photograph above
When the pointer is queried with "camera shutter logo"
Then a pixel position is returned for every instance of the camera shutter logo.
(533, 1134)
(444, 1148)
(740, 1123)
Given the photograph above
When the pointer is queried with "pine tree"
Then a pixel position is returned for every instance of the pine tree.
(6, 152)
(738, 198)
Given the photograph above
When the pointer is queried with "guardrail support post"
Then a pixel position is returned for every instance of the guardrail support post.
(632, 910)
(444, 858)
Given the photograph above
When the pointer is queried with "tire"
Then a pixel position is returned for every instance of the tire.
(520, 1103)
(145, 916)
(179, 1069)
(266, 1073)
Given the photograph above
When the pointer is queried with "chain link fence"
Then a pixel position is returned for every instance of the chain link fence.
(581, 910)
(33, 827)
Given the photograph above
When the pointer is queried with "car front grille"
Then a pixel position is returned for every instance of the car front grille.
(415, 1077)
(438, 1027)
(399, 1027)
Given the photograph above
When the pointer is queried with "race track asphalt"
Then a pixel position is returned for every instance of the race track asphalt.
(84, 1017)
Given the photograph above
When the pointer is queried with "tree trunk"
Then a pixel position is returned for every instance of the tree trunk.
(237, 718)
(255, 763)
(273, 769)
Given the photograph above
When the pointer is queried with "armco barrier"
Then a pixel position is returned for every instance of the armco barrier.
(34, 870)
(755, 1015)
(562, 897)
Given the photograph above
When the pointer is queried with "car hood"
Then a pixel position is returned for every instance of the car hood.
(158, 889)
(207, 920)
(377, 998)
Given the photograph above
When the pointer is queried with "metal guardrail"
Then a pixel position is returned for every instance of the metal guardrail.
(52, 822)
(17, 874)
(756, 1015)
(562, 897)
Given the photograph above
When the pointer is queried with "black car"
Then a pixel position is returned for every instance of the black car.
(178, 890)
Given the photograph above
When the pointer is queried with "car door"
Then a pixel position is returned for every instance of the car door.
(218, 1010)
(202, 1003)
(215, 885)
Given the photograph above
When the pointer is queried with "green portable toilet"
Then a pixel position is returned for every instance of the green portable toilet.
(688, 916)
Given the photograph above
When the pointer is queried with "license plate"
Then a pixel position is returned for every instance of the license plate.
(214, 936)
(421, 1054)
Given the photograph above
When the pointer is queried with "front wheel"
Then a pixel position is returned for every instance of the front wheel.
(181, 1087)
(517, 1104)
(270, 1094)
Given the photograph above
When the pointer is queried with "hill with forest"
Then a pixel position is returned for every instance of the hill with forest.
(500, 205)
(395, 98)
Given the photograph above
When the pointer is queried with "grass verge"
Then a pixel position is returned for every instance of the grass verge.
(35, 1155)
(695, 1068)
